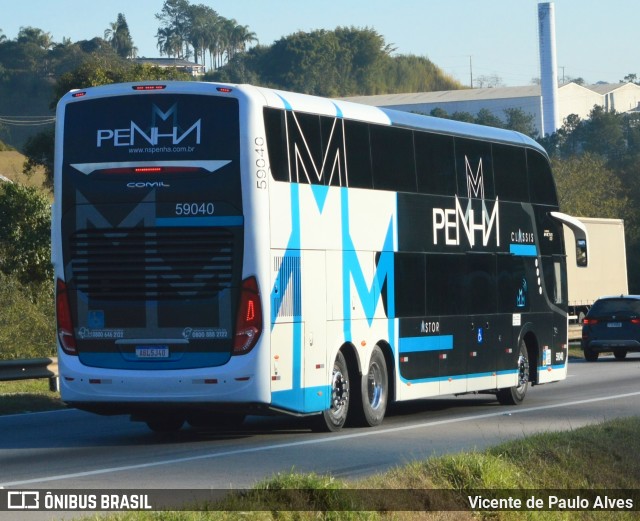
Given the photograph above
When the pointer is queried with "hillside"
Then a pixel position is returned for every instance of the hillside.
(11, 167)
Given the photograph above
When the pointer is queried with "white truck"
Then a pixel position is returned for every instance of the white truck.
(606, 271)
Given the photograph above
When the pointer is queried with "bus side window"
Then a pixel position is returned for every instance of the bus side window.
(358, 154)
(509, 170)
(474, 167)
(274, 122)
(392, 159)
(446, 288)
(435, 164)
(410, 284)
(541, 185)
(555, 280)
(305, 147)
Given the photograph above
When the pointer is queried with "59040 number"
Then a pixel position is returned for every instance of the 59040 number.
(195, 209)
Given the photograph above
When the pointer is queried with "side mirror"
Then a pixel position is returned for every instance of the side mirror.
(581, 253)
(579, 232)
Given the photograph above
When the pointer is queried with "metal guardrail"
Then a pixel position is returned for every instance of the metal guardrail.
(34, 368)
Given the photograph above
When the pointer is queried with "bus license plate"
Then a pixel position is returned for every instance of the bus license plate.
(152, 352)
(614, 324)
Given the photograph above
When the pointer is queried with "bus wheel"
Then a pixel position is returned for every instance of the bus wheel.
(515, 395)
(165, 425)
(334, 417)
(374, 391)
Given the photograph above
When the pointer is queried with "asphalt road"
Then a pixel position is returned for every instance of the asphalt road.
(77, 450)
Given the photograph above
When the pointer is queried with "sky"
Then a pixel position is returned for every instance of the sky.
(595, 40)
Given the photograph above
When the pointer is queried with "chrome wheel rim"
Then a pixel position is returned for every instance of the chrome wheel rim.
(375, 389)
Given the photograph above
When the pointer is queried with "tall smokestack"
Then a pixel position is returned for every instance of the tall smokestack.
(548, 67)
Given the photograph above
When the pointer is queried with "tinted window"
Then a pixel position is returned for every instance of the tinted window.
(512, 284)
(510, 173)
(332, 167)
(358, 154)
(392, 158)
(305, 147)
(276, 143)
(542, 188)
(435, 164)
(474, 168)
(445, 287)
(410, 284)
(480, 290)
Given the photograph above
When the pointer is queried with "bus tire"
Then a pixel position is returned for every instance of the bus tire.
(165, 425)
(373, 392)
(620, 355)
(334, 418)
(515, 395)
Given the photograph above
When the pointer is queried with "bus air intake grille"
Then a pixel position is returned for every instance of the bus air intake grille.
(152, 263)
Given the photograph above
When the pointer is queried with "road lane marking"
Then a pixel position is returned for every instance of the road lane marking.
(317, 441)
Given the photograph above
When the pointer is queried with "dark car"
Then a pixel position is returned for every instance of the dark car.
(612, 325)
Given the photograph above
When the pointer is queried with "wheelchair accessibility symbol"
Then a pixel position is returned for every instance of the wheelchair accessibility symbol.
(480, 335)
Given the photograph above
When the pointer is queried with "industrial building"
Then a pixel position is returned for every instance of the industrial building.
(571, 99)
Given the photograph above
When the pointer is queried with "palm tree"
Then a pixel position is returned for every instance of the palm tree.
(241, 37)
(35, 36)
(169, 42)
(119, 37)
(201, 29)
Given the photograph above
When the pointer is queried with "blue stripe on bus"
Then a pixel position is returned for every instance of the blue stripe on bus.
(222, 220)
(307, 399)
(287, 105)
(446, 378)
(524, 250)
(417, 344)
(338, 110)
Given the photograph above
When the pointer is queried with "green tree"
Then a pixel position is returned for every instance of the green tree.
(344, 62)
(488, 118)
(174, 31)
(95, 71)
(25, 249)
(520, 121)
(38, 152)
(588, 188)
(119, 37)
(35, 36)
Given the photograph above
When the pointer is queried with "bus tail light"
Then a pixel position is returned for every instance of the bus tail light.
(63, 318)
(590, 321)
(249, 318)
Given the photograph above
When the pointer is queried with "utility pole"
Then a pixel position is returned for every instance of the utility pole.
(470, 73)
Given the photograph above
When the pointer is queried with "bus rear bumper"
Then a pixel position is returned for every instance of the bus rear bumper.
(98, 388)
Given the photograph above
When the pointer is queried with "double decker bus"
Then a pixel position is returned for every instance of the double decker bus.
(227, 250)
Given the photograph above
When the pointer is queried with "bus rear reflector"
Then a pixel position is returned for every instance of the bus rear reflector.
(249, 318)
(63, 318)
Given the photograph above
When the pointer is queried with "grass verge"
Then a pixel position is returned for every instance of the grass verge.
(595, 457)
(28, 396)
